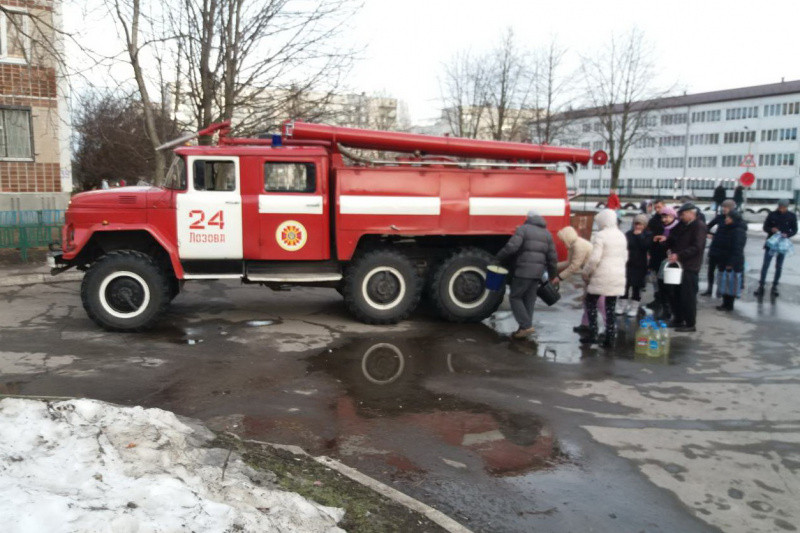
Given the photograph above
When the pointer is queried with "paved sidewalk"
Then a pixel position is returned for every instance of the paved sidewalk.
(31, 273)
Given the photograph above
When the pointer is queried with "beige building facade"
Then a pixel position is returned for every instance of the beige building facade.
(34, 124)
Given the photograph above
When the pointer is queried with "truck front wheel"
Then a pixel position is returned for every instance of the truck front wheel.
(125, 290)
(459, 290)
(382, 287)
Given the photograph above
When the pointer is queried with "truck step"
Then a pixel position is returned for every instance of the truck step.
(293, 271)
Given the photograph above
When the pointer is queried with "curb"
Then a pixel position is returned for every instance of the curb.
(32, 279)
(395, 495)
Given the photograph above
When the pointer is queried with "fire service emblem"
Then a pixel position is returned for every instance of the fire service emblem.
(291, 235)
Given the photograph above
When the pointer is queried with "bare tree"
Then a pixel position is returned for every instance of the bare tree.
(111, 142)
(509, 90)
(463, 93)
(552, 94)
(129, 19)
(620, 82)
(247, 60)
(254, 59)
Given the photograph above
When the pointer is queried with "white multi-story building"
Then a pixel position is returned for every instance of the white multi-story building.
(707, 137)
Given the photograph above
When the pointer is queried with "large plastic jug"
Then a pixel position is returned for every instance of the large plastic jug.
(664, 339)
(654, 341)
(642, 338)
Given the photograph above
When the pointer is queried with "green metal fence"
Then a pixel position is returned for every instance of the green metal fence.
(24, 230)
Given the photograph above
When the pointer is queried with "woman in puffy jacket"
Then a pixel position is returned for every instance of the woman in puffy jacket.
(579, 250)
(605, 274)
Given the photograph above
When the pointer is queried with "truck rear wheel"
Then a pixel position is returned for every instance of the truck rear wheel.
(125, 290)
(382, 287)
(459, 287)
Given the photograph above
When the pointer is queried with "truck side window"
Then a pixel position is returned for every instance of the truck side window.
(290, 177)
(214, 176)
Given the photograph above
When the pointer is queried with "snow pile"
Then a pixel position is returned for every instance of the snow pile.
(84, 465)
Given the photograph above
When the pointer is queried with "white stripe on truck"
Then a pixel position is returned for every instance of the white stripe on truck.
(290, 204)
(548, 207)
(389, 205)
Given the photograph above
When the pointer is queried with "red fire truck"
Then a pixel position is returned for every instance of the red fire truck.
(287, 210)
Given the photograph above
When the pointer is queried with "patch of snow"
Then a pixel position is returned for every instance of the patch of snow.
(84, 465)
(454, 464)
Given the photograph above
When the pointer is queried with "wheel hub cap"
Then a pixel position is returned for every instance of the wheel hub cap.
(383, 287)
(468, 287)
(125, 295)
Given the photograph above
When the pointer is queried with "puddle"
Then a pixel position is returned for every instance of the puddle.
(259, 323)
(385, 388)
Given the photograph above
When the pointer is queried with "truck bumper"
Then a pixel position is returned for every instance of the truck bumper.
(56, 262)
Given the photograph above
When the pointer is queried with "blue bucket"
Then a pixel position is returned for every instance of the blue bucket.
(495, 277)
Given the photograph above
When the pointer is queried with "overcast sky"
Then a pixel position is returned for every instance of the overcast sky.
(703, 45)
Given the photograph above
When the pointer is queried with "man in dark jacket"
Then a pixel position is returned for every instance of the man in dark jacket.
(738, 196)
(655, 226)
(687, 242)
(713, 262)
(779, 222)
(534, 253)
(719, 196)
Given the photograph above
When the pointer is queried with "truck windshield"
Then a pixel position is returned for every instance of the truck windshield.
(176, 176)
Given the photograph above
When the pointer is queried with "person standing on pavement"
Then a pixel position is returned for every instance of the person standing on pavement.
(726, 207)
(728, 244)
(579, 251)
(639, 240)
(738, 197)
(534, 254)
(612, 202)
(720, 195)
(658, 254)
(686, 244)
(655, 226)
(779, 222)
(605, 274)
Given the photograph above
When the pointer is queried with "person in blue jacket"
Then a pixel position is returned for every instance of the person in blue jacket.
(779, 222)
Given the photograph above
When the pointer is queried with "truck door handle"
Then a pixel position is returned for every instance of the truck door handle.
(232, 202)
(315, 204)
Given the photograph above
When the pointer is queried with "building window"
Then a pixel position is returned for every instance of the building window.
(672, 140)
(706, 116)
(702, 162)
(13, 36)
(670, 162)
(15, 134)
(776, 160)
(674, 118)
(732, 160)
(740, 113)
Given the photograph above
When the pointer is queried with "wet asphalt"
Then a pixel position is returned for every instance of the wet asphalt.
(502, 435)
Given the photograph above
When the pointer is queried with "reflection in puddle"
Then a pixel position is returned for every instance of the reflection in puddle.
(259, 323)
(385, 387)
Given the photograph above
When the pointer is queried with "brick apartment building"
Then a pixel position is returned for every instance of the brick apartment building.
(34, 124)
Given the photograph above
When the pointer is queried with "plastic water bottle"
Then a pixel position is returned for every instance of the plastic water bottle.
(642, 338)
(664, 339)
(654, 341)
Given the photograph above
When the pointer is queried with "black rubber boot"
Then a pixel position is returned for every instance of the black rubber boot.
(760, 290)
(774, 292)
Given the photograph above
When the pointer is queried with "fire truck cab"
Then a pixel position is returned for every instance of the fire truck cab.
(288, 211)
